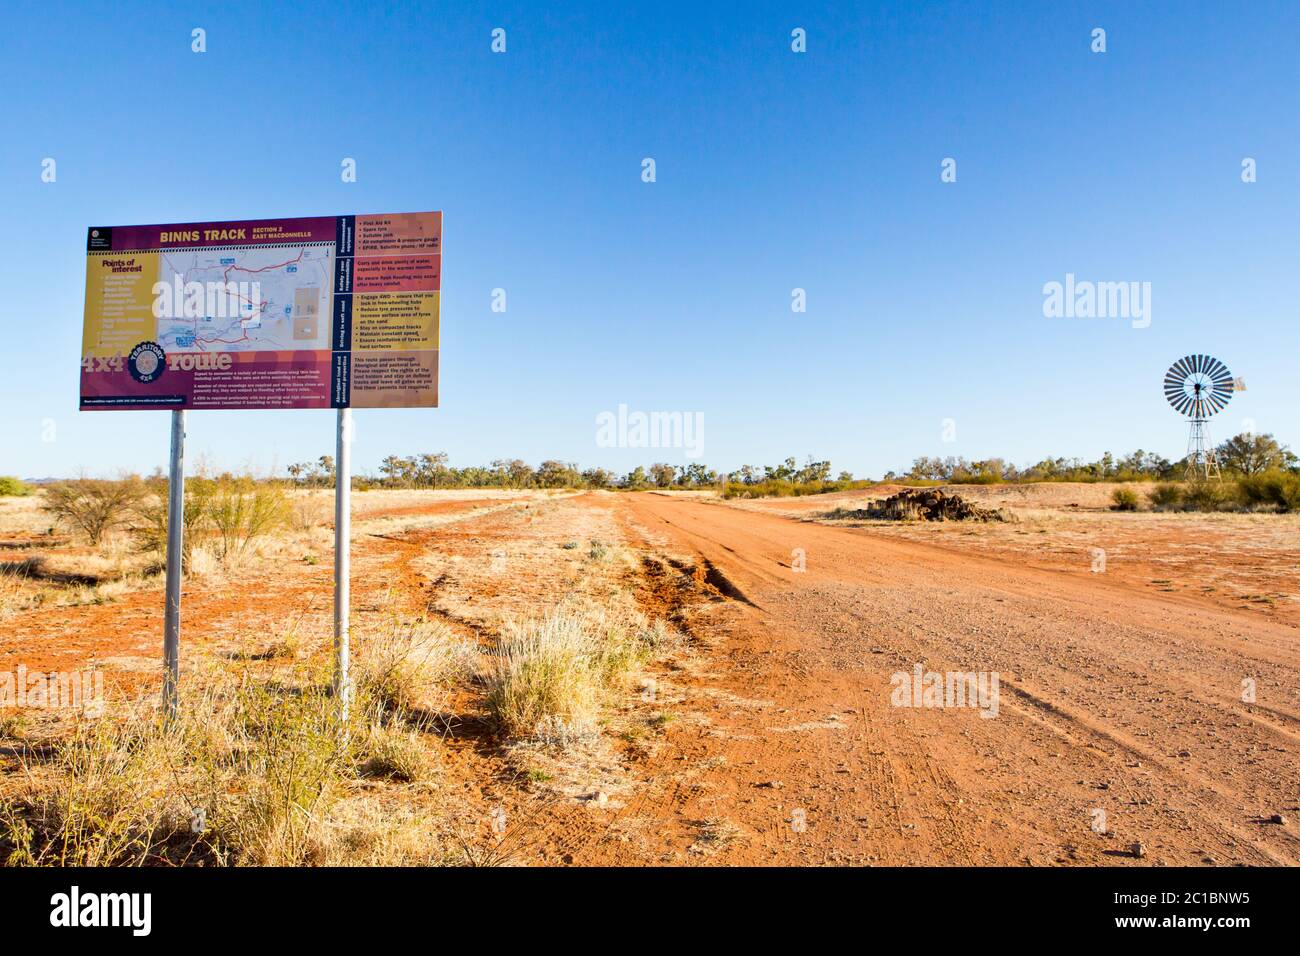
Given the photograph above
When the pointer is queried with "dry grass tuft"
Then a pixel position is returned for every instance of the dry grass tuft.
(407, 666)
(394, 752)
(544, 679)
(552, 674)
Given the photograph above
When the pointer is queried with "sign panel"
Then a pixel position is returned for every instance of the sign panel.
(323, 312)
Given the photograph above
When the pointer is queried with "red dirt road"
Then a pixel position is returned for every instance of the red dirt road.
(1119, 711)
(1119, 717)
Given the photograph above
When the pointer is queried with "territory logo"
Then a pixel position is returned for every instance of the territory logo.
(146, 362)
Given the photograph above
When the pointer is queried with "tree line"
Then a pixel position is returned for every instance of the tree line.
(434, 471)
(1245, 454)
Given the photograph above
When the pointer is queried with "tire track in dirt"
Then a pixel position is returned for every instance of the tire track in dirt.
(1106, 686)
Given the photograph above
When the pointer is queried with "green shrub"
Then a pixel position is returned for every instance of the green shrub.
(150, 526)
(243, 510)
(1124, 499)
(1206, 495)
(11, 487)
(1287, 494)
(235, 510)
(1165, 495)
(784, 488)
(1274, 487)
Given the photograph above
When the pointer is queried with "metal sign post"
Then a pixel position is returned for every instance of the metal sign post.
(342, 563)
(175, 545)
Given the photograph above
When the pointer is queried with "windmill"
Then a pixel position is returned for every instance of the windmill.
(1199, 386)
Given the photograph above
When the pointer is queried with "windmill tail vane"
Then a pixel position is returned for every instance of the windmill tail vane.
(1199, 386)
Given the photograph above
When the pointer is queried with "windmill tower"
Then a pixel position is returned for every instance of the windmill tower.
(1199, 386)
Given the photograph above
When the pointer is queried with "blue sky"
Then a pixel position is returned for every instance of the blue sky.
(775, 170)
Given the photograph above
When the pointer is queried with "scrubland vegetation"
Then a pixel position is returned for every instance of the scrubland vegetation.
(13, 487)
(259, 770)
(258, 767)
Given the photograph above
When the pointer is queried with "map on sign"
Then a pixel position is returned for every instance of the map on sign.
(278, 299)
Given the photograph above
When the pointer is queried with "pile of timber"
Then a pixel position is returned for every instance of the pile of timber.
(930, 504)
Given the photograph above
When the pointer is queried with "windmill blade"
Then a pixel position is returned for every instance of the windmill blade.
(1198, 385)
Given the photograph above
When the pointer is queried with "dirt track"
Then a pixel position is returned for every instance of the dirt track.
(1111, 700)
(779, 742)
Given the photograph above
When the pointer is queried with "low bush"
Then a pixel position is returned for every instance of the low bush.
(11, 487)
(249, 773)
(227, 513)
(1275, 487)
(1208, 495)
(783, 488)
(149, 529)
(93, 506)
(1165, 495)
(394, 752)
(1124, 499)
(243, 510)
